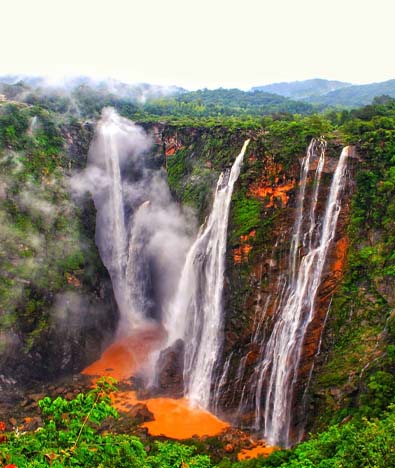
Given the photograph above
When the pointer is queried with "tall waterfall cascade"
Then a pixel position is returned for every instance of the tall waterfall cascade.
(281, 353)
(195, 315)
(135, 216)
(114, 243)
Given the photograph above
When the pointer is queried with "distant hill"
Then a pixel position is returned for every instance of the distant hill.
(355, 95)
(302, 89)
(230, 102)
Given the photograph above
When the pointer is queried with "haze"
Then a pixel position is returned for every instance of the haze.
(201, 43)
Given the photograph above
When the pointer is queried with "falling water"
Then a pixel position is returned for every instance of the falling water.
(114, 241)
(34, 124)
(196, 312)
(136, 217)
(281, 354)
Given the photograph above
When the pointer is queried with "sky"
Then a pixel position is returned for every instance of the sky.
(200, 43)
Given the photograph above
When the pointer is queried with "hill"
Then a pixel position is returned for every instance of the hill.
(356, 95)
(302, 89)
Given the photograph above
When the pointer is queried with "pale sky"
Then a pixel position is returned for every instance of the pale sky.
(200, 43)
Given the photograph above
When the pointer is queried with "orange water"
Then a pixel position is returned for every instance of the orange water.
(176, 419)
(260, 449)
(173, 418)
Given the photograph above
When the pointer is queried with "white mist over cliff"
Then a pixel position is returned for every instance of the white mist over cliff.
(141, 233)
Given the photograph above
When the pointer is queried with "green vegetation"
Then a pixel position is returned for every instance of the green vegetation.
(46, 251)
(361, 361)
(44, 247)
(225, 102)
(246, 214)
(355, 95)
(72, 435)
(367, 444)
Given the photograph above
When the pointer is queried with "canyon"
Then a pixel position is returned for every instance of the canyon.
(218, 289)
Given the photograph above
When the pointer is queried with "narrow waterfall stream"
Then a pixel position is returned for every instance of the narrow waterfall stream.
(281, 353)
(195, 316)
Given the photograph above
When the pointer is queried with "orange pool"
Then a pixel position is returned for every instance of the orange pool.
(259, 449)
(174, 418)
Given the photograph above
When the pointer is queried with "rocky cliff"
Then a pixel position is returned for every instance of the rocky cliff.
(56, 303)
(335, 377)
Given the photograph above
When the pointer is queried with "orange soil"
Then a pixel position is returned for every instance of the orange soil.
(262, 191)
(341, 252)
(73, 280)
(240, 254)
(170, 151)
(260, 449)
(173, 418)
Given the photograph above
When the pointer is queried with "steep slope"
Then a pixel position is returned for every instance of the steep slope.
(57, 306)
(56, 301)
(350, 365)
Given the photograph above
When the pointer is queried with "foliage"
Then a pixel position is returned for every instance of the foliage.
(360, 363)
(44, 249)
(367, 444)
(226, 102)
(246, 214)
(71, 436)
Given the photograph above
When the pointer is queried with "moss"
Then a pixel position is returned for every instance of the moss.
(359, 328)
(246, 215)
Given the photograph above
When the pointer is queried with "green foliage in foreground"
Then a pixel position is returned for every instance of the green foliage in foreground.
(366, 444)
(71, 437)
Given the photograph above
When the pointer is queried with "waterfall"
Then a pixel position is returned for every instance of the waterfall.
(195, 315)
(114, 255)
(135, 218)
(281, 353)
(115, 240)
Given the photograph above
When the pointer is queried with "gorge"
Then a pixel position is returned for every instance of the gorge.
(239, 270)
(191, 314)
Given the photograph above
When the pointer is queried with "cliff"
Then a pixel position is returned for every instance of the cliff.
(346, 357)
(56, 302)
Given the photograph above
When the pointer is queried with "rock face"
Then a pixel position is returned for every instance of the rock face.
(260, 231)
(250, 317)
(170, 371)
(59, 309)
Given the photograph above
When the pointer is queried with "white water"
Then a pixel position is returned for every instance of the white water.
(117, 260)
(196, 312)
(136, 218)
(282, 352)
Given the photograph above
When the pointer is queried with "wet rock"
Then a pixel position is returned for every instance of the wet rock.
(13, 422)
(140, 413)
(171, 366)
(31, 423)
(36, 396)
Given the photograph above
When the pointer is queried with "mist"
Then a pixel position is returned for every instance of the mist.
(141, 233)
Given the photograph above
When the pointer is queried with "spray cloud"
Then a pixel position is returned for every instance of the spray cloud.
(142, 235)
